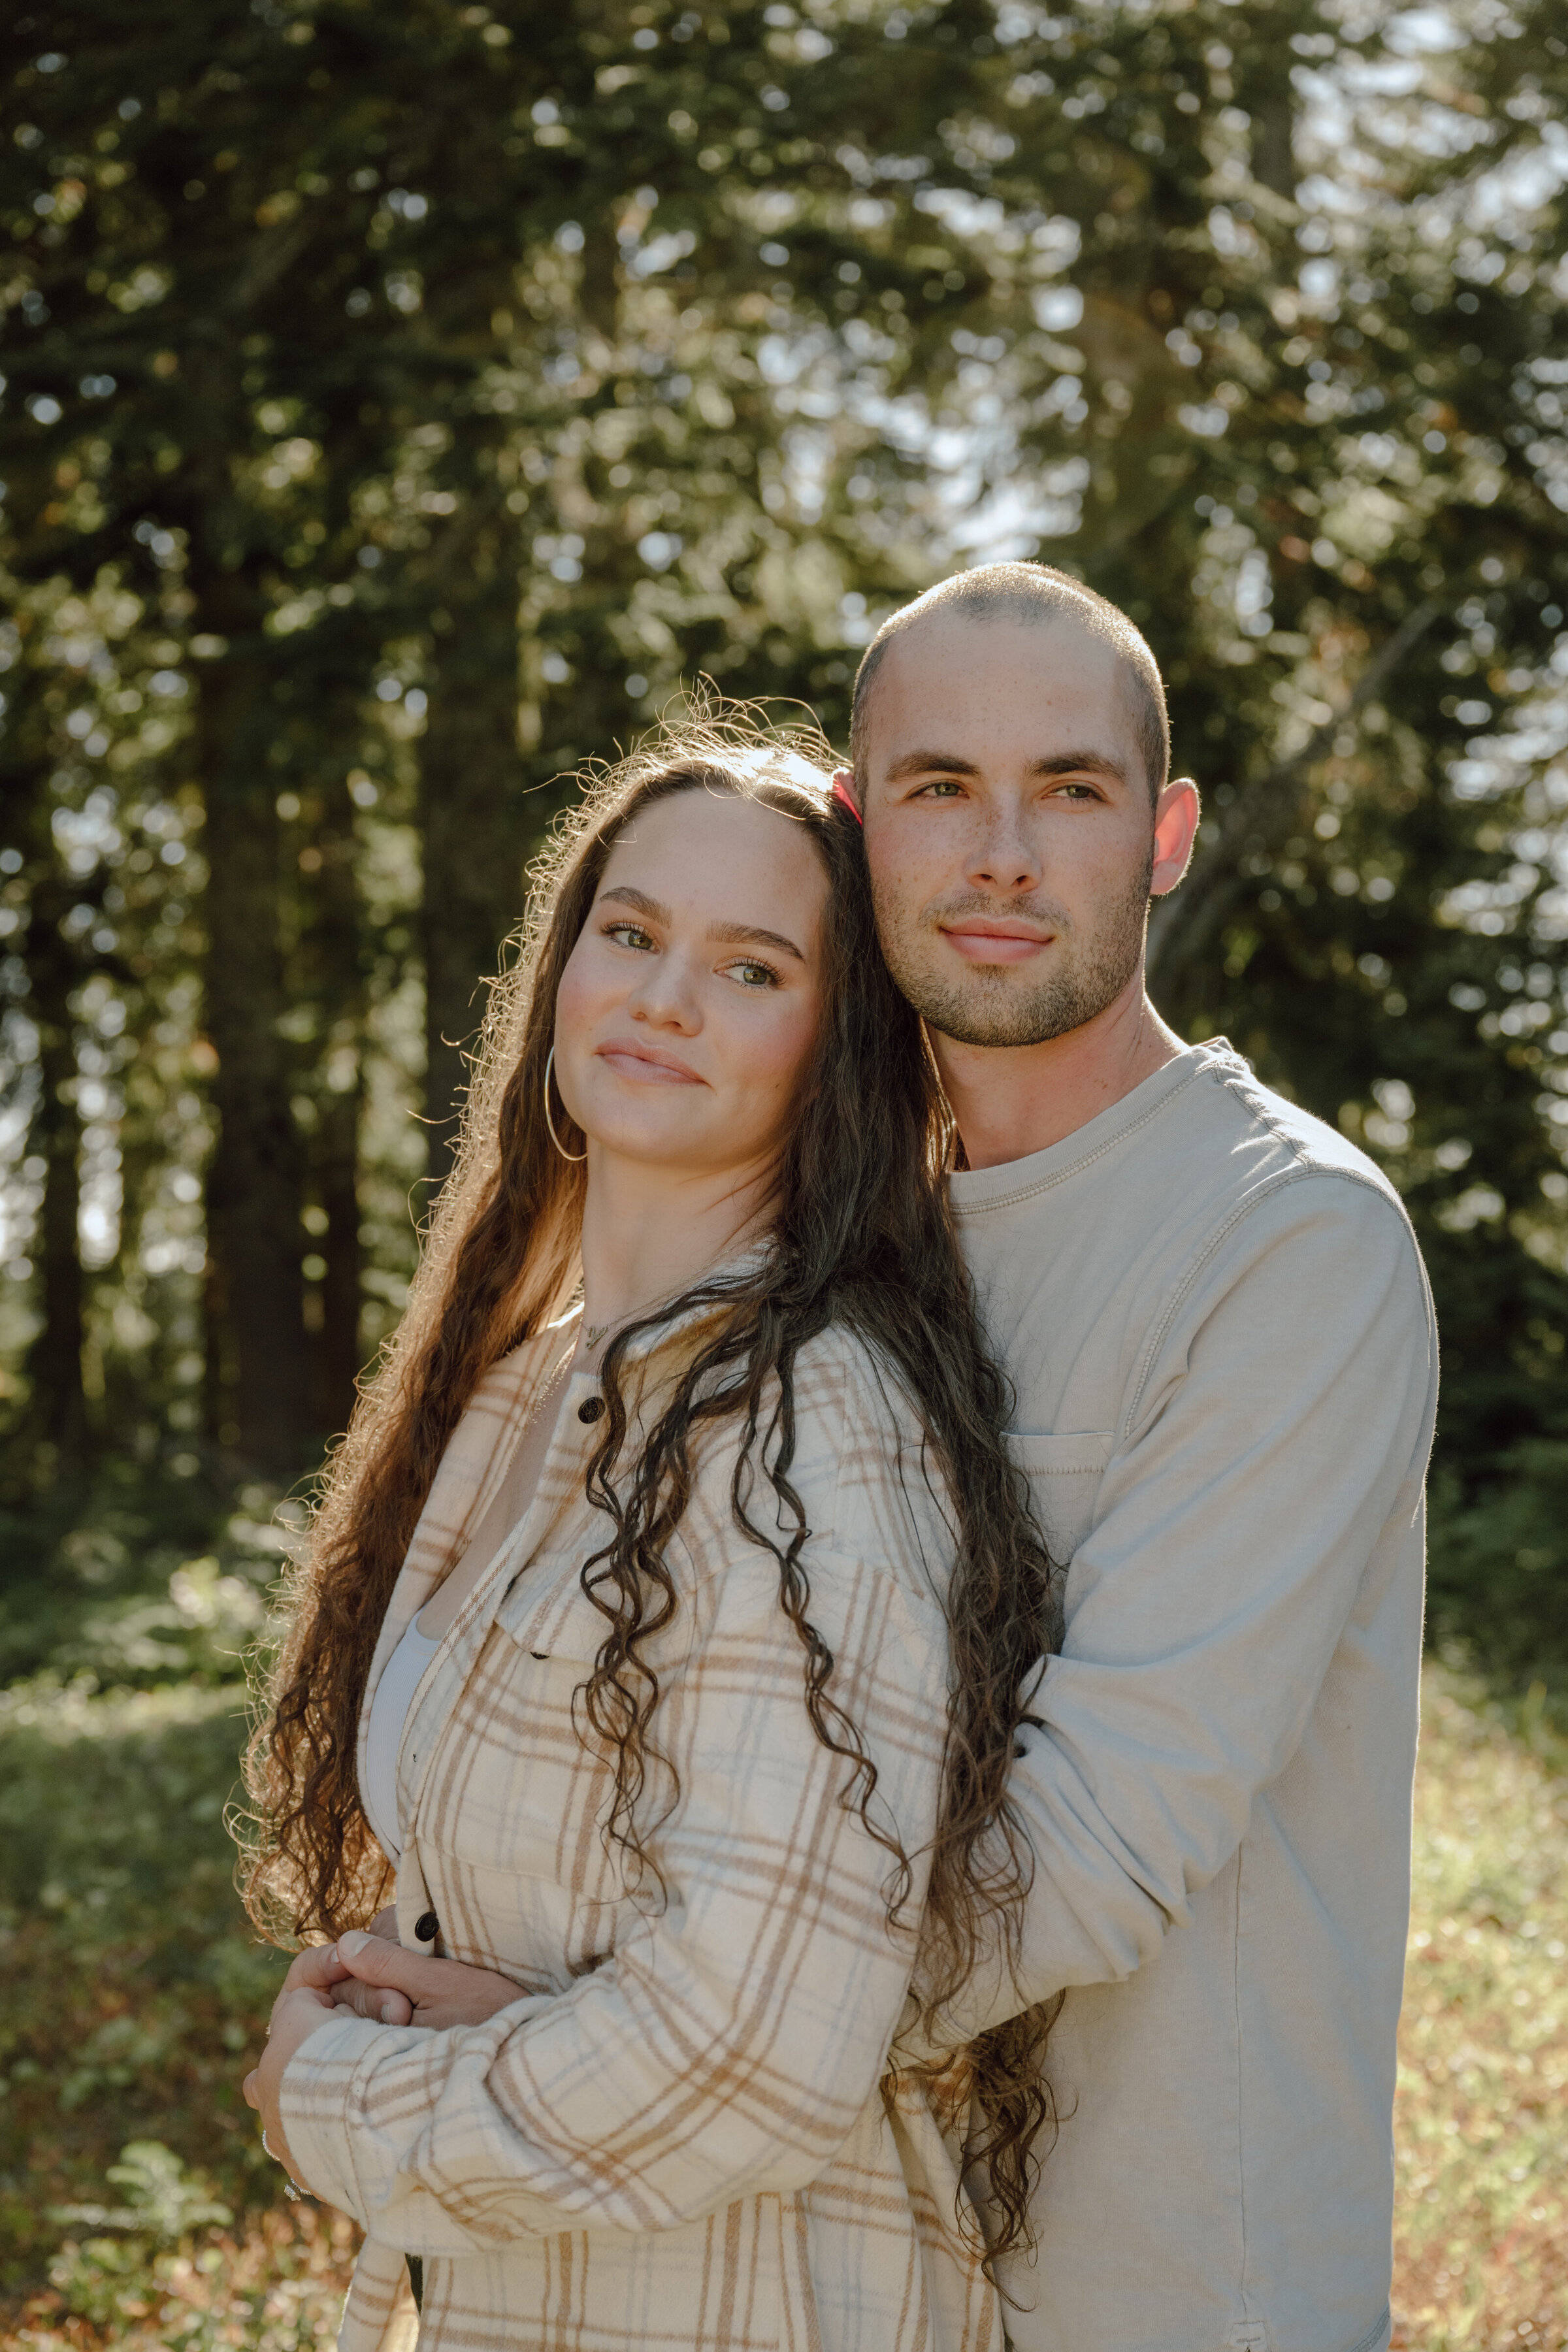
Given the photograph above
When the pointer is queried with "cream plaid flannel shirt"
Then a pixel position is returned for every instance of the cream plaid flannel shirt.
(680, 2135)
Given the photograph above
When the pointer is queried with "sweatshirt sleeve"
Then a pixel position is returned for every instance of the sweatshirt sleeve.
(728, 2044)
(1267, 1488)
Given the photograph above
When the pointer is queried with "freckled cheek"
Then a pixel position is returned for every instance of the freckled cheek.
(1088, 878)
(584, 994)
(906, 869)
(772, 1064)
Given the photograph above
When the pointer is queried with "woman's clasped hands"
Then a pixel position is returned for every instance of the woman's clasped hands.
(375, 1976)
(371, 1974)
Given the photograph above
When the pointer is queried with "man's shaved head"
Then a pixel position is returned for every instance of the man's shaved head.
(1024, 593)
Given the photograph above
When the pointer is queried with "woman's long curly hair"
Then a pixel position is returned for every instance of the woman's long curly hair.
(860, 1237)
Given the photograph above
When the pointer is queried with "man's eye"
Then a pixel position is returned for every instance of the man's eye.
(629, 935)
(943, 788)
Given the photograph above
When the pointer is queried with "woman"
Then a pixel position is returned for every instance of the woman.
(627, 1643)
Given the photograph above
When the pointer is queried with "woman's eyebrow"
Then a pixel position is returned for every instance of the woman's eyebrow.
(727, 934)
(652, 908)
(749, 935)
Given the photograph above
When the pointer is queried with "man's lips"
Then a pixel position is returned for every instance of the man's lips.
(646, 1064)
(985, 939)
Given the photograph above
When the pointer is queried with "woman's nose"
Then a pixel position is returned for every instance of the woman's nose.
(666, 995)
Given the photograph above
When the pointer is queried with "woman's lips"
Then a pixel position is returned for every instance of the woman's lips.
(644, 1066)
(982, 942)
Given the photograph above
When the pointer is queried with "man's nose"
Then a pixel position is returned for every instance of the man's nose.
(1004, 859)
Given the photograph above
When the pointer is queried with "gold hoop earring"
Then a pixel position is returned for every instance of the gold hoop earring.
(574, 1157)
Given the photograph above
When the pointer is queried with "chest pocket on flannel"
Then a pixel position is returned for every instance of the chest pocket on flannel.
(520, 1786)
(1063, 1474)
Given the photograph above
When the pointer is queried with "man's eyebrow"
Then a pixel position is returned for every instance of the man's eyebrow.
(1073, 763)
(749, 935)
(922, 763)
(1060, 763)
(653, 908)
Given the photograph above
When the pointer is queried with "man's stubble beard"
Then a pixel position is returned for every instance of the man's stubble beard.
(993, 1007)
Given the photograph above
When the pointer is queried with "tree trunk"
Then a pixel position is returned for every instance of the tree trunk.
(59, 1404)
(474, 835)
(340, 980)
(1266, 91)
(339, 1358)
(262, 1398)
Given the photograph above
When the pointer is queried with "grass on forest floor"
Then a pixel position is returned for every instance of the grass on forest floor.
(134, 1991)
(1482, 2222)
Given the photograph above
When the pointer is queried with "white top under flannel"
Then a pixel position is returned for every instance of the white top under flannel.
(679, 2134)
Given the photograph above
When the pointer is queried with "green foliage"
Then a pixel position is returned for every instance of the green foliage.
(132, 1579)
(134, 1984)
(1481, 2218)
(99, 2276)
(138, 2245)
(1498, 1581)
(277, 2288)
(401, 403)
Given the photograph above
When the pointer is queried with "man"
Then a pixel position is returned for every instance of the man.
(1218, 1328)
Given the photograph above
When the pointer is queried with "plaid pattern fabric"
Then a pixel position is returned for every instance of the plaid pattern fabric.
(681, 2134)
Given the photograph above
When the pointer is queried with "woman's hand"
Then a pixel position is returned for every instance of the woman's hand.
(319, 1968)
(296, 2014)
(378, 1979)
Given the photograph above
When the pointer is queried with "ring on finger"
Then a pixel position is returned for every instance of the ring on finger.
(292, 2189)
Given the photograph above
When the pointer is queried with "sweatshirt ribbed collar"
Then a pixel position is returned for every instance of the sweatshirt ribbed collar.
(978, 1190)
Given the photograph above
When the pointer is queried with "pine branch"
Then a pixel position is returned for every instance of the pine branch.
(1184, 923)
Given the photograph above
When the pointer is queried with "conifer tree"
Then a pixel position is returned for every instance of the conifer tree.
(403, 404)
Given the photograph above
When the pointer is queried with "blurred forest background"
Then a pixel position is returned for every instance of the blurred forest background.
(400, 404)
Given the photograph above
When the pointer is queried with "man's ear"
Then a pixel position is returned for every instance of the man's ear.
(847, 793)
(1176, 814)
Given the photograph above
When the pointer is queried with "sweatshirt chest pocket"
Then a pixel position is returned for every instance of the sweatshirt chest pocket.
(1064, 1471)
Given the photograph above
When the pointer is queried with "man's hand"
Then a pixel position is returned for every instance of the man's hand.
(378, 1979)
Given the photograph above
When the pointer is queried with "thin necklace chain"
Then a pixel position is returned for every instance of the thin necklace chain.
(594, 1332)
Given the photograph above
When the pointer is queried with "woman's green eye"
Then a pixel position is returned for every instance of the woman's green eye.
(630, 935)
(754, 975)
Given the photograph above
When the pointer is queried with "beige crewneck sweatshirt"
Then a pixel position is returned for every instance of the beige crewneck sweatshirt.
(1219, 1332)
